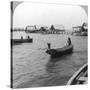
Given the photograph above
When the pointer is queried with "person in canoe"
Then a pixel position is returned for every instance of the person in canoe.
(49, 45)
(69, 41)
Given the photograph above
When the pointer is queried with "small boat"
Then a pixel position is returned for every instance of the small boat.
(80, 77)
(20, 41)
(60, 51)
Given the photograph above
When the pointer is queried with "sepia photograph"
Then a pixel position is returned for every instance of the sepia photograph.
(49, 44)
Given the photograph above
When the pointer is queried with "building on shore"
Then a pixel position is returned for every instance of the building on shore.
(53, 29)
(80, 30)
(31, 29)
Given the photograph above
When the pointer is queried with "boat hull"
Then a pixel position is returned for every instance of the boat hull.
(80, 77)
(60, 51)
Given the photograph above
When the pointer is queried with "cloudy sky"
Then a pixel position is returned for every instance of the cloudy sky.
(47, 14)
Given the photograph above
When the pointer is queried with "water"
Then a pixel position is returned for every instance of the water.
(32, 66)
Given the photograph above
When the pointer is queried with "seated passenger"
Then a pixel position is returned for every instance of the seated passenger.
(69, 41)
(28, 37)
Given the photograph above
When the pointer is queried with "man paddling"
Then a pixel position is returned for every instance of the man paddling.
(49, 45)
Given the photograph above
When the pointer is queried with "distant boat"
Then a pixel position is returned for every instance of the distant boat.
(60, 51)
(80, 77)
(20, 41)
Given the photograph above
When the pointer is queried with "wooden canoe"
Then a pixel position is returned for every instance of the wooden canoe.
(60, 51)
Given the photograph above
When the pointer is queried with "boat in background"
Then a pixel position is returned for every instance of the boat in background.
(60, 51)
(80, 77)
(20, 41)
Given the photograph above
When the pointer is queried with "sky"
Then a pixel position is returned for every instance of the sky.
(48, 14)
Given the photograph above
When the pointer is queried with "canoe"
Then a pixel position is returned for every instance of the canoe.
(60, 51)
(20, 41)
(80, 77)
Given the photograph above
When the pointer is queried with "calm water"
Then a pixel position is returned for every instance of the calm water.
(32, 66)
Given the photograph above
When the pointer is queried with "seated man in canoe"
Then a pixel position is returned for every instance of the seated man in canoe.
(69, 41)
